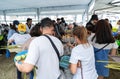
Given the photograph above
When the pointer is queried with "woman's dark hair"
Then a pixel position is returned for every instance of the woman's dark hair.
(103, 33)
(35, 31)
(13, 27)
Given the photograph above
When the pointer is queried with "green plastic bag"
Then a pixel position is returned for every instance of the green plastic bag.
(118, 42)
(1, 37)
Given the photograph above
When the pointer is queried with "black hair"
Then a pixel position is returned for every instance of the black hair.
(46, 22)
(94, 17)
(62, 20)
(28, 19)
(106, 19)
(58, 19)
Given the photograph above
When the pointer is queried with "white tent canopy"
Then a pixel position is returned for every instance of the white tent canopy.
(16, 4)
(108, 9)
(56, 7)
(107, 6)
(44, 6)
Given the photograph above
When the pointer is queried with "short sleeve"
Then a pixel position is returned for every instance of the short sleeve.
(33, 53)
(115, 45)
(74, 57)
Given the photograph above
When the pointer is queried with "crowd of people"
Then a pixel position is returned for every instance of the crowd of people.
(87, 45)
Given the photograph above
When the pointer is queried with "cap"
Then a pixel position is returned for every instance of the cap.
(15, 22)
(22, 27)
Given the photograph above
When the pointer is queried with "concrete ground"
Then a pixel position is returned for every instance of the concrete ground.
(8, 69)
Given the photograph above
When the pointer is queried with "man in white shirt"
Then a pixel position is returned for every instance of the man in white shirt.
(42, 55)
(29, 25)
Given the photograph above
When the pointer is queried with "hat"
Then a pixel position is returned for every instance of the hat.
(94, 17)
(15, 22)
(22, 27)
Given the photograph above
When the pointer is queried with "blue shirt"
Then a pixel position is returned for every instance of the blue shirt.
(10, 33)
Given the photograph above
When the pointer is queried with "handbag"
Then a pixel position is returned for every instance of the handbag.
(64, 60)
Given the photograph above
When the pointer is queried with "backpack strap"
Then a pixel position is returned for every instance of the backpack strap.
(101, 48)
(53, 45)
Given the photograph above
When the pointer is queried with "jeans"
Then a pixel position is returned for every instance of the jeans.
(31, 74)
(19, 74)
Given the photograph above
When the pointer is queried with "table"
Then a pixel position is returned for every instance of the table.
(114, 74)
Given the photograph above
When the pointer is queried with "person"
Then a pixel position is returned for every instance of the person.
(13, 28)
(59, 31)
(35, 32)
(63, 23)
(29, 25)
(75, 24)
(103, 38)
(106, 19)
(91, 24)
(42, 55)
(82, 61)
(118, 23)
(21, 37)
(68, 39)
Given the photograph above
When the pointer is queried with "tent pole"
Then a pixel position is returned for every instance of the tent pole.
(4, 13)
(38, 13)
(75, 18)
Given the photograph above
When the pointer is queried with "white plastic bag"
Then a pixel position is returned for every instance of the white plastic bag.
(62, 75)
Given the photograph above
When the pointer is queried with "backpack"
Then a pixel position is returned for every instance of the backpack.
(64, 61)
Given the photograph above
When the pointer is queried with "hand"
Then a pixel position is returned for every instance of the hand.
(113, 52)
(70, 45)
(10, 41)
(18, 64)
